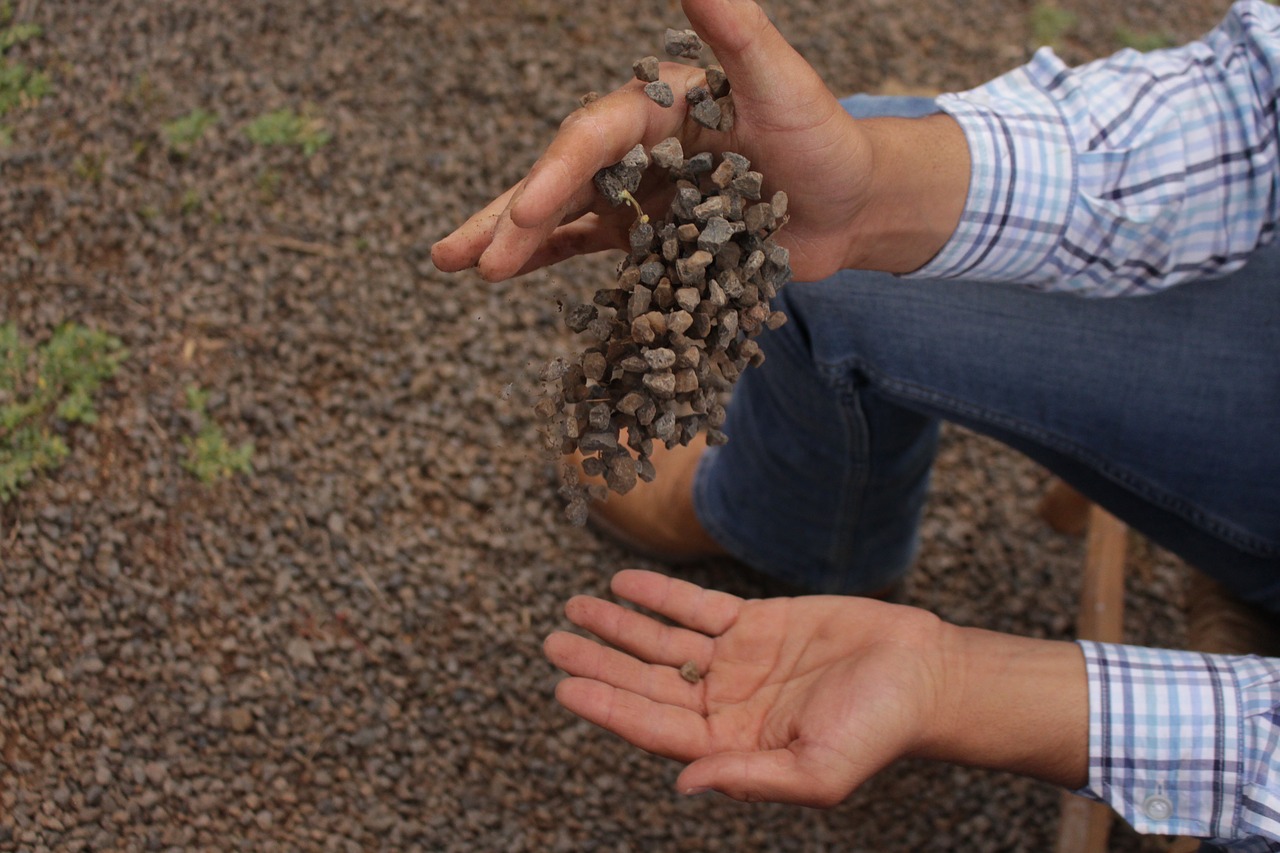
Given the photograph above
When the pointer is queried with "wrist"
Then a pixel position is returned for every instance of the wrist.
(1015, 704)
(918, 173)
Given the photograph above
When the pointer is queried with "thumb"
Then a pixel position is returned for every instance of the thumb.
(760, 64)
(773, 776)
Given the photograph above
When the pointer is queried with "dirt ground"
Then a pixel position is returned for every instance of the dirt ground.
(341, 649)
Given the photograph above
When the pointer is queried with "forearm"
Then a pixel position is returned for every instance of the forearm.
(1015, 704)
(919, 179)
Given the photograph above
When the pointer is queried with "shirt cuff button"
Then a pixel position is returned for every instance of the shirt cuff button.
(1157, 807)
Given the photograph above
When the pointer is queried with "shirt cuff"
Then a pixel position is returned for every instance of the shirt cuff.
(1022, 181)
(1166, 739)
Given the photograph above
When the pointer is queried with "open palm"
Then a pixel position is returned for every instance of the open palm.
(799, 700)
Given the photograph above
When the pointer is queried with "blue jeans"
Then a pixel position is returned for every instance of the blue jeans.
(1164, 409)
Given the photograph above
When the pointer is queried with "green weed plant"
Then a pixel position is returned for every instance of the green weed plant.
(20, 86)
(1144, 42)
(209, 456)
(288, 128)
(43, 386)
(182, 134)
(1050, 23)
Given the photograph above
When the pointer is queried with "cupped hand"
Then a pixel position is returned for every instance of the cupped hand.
(787, 123)
(800, 700)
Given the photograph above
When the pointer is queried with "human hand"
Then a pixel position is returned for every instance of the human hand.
(787, 123)
(801, 700)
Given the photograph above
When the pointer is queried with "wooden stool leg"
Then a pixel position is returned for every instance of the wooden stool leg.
(1084, 826)
(1065, 509)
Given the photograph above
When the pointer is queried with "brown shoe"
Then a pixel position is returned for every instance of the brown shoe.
(657, 519)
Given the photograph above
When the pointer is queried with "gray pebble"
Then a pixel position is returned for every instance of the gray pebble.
(682, 43)
(660, 93)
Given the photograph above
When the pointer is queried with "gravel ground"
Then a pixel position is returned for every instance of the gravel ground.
(341, 651)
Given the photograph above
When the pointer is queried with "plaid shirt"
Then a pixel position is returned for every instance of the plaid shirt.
(1123, 177)
(1126, 175)
(1184, 743)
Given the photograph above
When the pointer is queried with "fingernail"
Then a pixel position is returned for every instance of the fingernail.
(693, 792)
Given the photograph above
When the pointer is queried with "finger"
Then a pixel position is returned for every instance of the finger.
(662, 729)
(598, 136)
(662, 684)
(584, 236)
(760, 64)
(512, 247)
(641, 635)
(462, 249)
(705, 610)
(776, 776)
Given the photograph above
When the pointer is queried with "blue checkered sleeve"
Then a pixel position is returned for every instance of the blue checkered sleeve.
(1126, 175)
(1184, 743)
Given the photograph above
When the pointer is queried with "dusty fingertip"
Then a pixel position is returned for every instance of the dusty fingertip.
(489, 271)
(521, 211)
(576, 608)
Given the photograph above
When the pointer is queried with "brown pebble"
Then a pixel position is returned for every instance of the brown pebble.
(688, 298)
(724, 174)
(593, 441)
(642, 330)
(779, 204)
(664, 295)
(697, 95)
(638, 304)
(717, 205)
(689, 672)
(679, 321)
(717, 82)
(631, 403)
(668, 153)
(646, 69)
(728, 114)
(594, 366)
(658, 321)
(577, 512)
(589, 98)
(707, 114)
(622, 474)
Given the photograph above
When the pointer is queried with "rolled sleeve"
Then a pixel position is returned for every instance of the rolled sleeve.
(1184, 743)
(1021, 187)
(1126, 175)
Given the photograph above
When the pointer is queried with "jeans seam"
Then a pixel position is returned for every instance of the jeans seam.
(1118, 475)
(854, 485)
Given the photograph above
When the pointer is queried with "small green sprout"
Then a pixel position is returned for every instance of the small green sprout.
(626, 196)
(209, 456)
